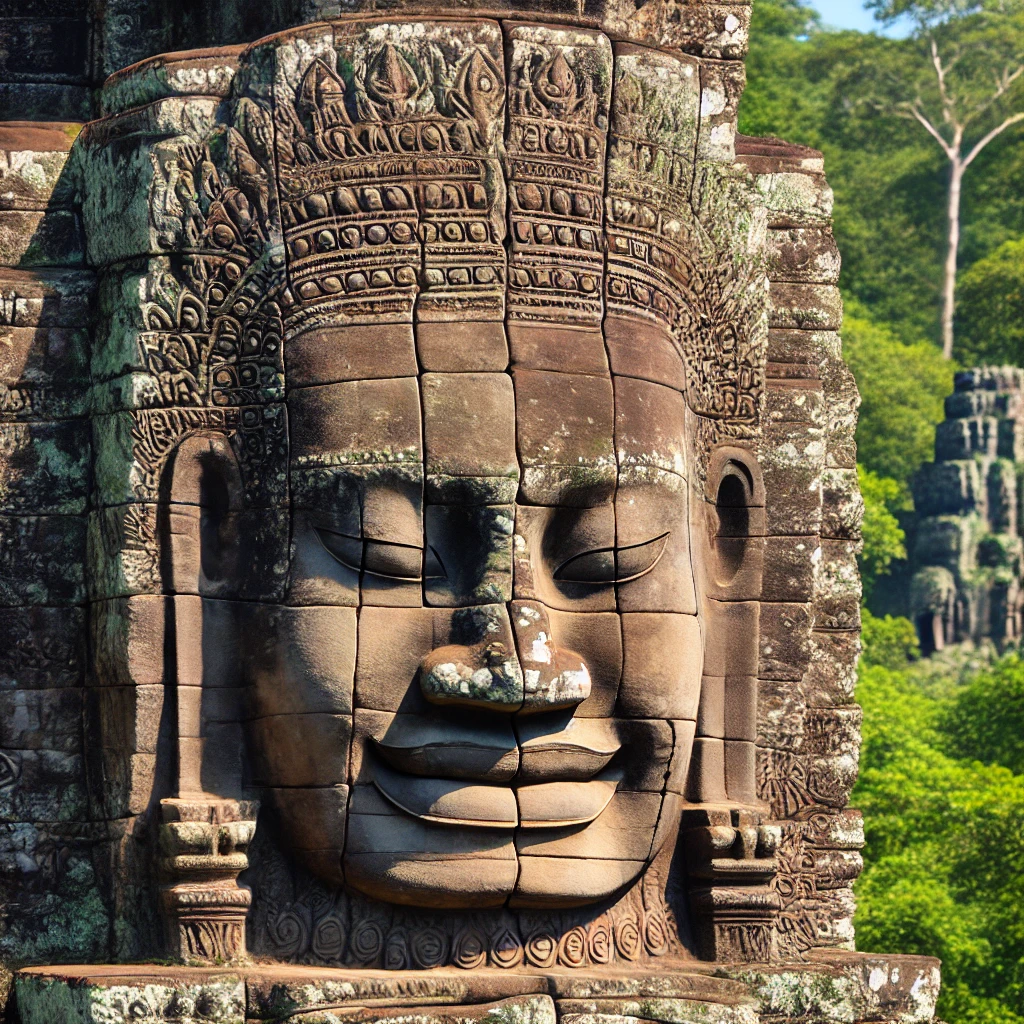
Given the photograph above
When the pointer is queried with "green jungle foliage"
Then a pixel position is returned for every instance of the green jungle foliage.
(942, 766)
(883, 536)
(990, 307)
(942, 793)
(902, 388)
(823, 89)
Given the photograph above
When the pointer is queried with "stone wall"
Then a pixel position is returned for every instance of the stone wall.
(51, 838)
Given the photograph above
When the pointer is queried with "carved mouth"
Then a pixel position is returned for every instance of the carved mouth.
(566, 750)
(456, 802)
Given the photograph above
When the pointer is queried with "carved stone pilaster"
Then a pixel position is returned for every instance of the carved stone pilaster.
(731, 863)
(203, 846)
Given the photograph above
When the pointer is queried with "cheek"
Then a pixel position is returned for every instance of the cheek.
(303, 661)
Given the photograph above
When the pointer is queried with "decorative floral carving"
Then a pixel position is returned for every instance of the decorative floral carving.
(600, 942)
(541, 949)
(396, 951)
(657, 933)
(367, 942)
(506, 950)
(628, 941)
(329, 935)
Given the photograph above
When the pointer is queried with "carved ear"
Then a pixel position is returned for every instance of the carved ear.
(199, 558)
(723, 762)
(203, 489)
(735, 520)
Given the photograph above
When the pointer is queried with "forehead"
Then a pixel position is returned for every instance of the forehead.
(558, 427)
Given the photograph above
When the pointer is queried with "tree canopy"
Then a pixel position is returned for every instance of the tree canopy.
(822, 89)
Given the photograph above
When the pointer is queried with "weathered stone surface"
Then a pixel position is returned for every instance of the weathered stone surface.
(46, 297)
(838, 986)
(805, 307)
(130, 172)
(837, 586)
(187, 74)
(41, 648)
(807, 255)
(794, 199)
(32, 162)
(41, 560)
(51, 238)
(36, 100)
(221, 999)
(44, 467)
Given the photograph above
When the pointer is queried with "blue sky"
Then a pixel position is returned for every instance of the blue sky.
(850, 14)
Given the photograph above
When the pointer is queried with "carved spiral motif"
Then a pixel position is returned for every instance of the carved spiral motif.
(396, 955)
(599, 941)
(572, 948)
(627, 938)
(469, 949)
(506, 949)
(656, 933)
(429, 947)
(329, 936)
(289, 930)
(367, 942)
(541, 949)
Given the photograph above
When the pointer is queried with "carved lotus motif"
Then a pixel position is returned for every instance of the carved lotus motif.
(391, 84)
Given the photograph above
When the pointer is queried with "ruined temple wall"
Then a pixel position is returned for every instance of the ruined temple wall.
(967, 556)
(50, 903)
(808, 726)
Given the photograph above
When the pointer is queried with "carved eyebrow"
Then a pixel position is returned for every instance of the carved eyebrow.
(589, 567)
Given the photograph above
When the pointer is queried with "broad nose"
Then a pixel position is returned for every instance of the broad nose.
(553, 677)
(503, 658)
(478, 667)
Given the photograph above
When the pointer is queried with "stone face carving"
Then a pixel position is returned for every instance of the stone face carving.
(466, 531)
(967, 553)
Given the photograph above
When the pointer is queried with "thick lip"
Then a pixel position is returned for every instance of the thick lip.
(542, 749)
(451, 748)
(457, 802)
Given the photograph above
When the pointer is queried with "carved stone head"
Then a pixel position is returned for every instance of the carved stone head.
(429, 481)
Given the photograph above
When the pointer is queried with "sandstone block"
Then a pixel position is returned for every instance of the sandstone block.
(785, 641)
(661, 665)
(806, 255)
(32, 238)
(41, 560)
(44, 467)
(33, 157)
(795, 199)
(805, 307)
(41, 648)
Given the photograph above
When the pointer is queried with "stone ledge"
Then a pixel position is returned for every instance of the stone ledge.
(830, 986)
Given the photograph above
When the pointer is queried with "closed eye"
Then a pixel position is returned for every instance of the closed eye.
(383, 559)
(613, 565)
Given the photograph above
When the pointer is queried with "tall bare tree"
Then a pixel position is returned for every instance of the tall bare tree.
(966, 90)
